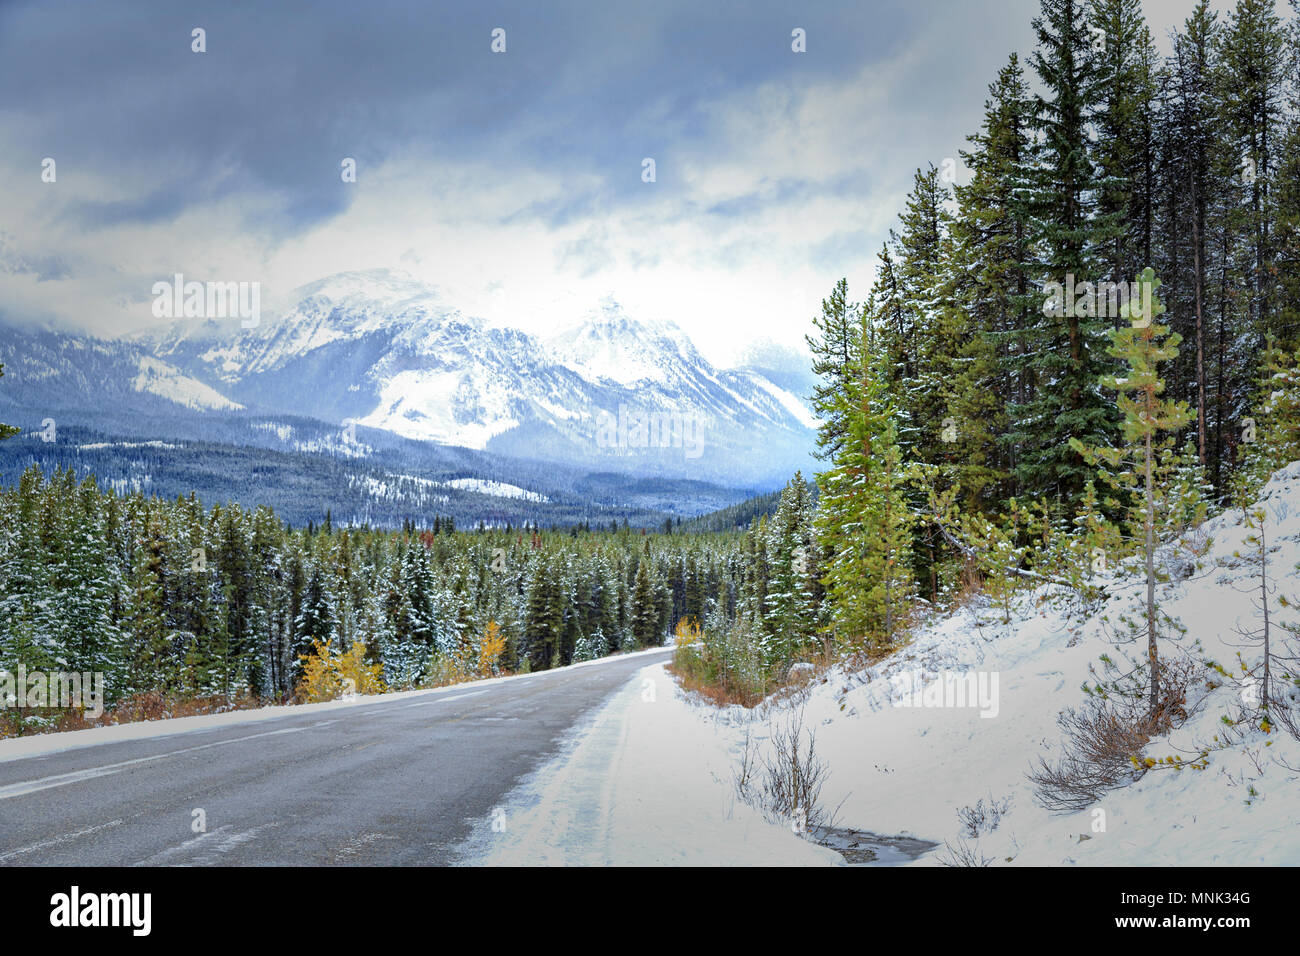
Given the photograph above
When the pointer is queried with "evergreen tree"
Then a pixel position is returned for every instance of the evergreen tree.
(544, 618)
(1252, 57)
(1190, 132)
(835, 359)
(1068, 232)
(863, 521)
(1133, 468)
(920, 345)
(790, 605)
(645, 605)
(989, 281)
(1125, 64)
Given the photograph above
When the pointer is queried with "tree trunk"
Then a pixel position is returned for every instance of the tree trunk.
(1263, 597)
(1198, 215)
(1152, 654)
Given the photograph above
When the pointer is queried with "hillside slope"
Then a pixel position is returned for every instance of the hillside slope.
(910, 769)
(899, 764)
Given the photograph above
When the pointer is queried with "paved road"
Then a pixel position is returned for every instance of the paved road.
(392, 782)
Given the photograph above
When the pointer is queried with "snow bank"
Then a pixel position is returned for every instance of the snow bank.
(908, 769)
(645, 782)
(660, 776)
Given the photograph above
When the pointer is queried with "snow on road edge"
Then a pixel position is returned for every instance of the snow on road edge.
(645, 781)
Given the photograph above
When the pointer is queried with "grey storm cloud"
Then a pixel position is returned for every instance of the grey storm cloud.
(777, 173)
(286, 90)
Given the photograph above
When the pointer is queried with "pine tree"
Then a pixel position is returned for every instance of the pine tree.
(645, 605)
(27, 599)
(1068, 233)
(835, 360)
(1124, 58)
(145, 612)
(1286, 251)
(1276, 421)
(990, 283)
(1191, 143)
(863, 522)
(1134, 465)
(919, 343)
(93, 641)
(790, 609)
(1259, 552)
(317, 620)
(752, 598)
(1252, 56)
(544, 618)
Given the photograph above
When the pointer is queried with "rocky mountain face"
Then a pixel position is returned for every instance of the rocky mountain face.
(380, 350)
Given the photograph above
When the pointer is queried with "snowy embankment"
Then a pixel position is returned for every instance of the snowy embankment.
(645, 781)
(910, 769)
(651, 781)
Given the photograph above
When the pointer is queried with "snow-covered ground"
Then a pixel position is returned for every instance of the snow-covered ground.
(646, 781)
(651, 782)
(908, 768)
(498, 489)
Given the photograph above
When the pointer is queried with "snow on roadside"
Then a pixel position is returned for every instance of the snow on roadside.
(646, 781)
(654, 781)
(909, 769)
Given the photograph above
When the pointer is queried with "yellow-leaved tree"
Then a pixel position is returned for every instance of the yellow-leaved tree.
(490, 650)
(329, 676)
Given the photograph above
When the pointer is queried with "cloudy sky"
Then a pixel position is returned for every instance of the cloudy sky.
(512, 181)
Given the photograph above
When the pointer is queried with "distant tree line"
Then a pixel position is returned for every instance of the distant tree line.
(175, 598)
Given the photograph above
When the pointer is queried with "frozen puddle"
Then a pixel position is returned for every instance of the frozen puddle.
(860, 848)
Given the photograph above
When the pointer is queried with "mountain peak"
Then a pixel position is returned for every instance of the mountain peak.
(389, 289)
(608, 345)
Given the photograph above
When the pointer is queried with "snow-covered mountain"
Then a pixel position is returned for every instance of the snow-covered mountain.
(386, 351)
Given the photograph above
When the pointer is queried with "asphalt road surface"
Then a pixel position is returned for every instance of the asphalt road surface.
(379, 782)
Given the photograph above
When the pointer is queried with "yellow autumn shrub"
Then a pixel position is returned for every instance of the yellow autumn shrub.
(327, 676)
(490, 649)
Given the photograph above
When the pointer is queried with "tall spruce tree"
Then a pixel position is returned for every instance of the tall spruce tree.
(835, 361)
(1069, 232)
(863, 522)
(990, 282)
(1253, 60)
(790, 606)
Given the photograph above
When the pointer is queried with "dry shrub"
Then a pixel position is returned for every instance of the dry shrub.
(786, 784)
(723, 665)
(969, 585)
(719, 695)
(1102, 743)
(984, 816)
(152, 705)
(962, 853)
(1104, 738)
(146, 705)
(1176, 678)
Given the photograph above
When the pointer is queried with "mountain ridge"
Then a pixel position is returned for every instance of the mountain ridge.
(380, 349)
